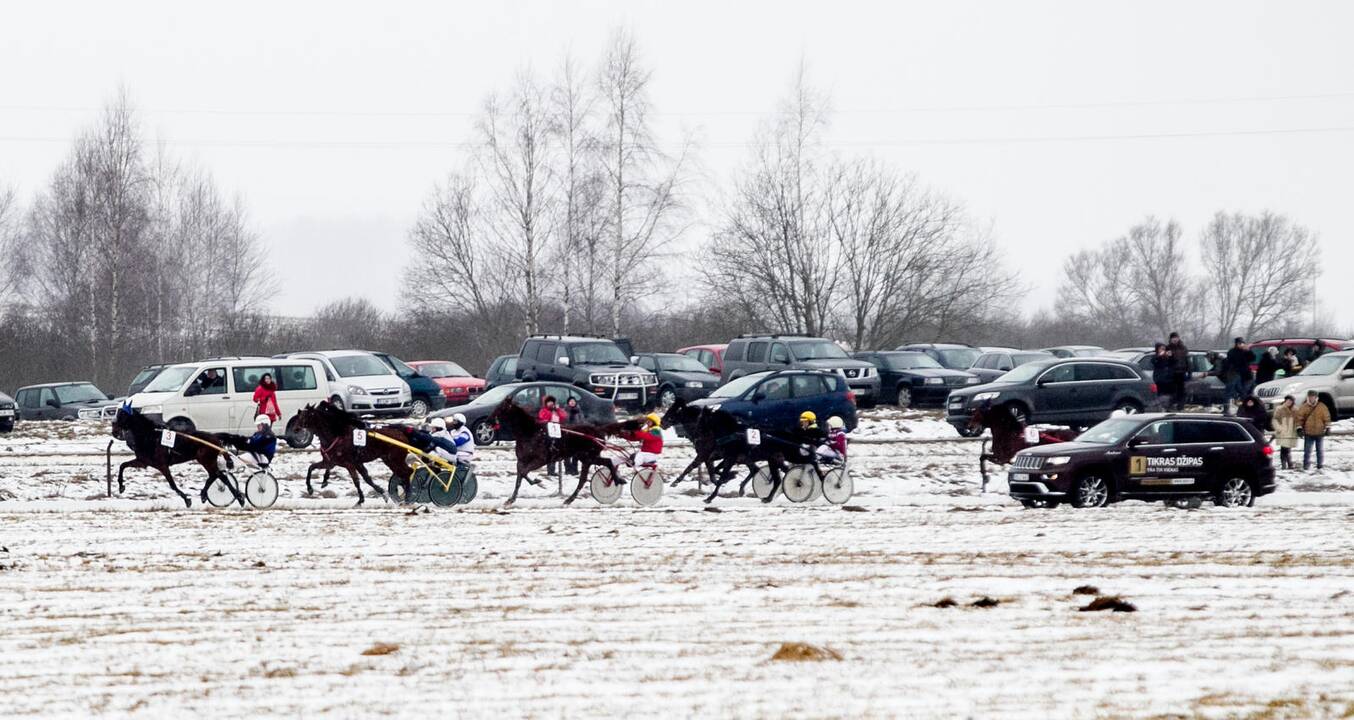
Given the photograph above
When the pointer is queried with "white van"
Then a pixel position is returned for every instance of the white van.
(217, 395)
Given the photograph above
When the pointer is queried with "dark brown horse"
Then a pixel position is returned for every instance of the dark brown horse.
(143, 436)
(333, 427)
(535, 448)
(1008, 436)
(716, 437)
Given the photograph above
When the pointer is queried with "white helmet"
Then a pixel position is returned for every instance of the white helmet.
(458, 419)
(835, 423)
(438, 423)
(262, 419)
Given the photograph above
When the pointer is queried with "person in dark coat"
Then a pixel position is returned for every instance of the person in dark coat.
(573, 414)
(1268, 366)
(1161, 374)
(1254, 410)
(1179, 370)
(1236, 374)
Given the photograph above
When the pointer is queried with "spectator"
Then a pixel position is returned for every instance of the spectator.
(1313, 421)
(1285, 424)
(1236, 374)
(550, 412)
(1317, 350)
(1179, 370)
(573, 414)
(1254, 410)
(1292, 364)
(265, 398)
(1268, 367)
(1161, 374)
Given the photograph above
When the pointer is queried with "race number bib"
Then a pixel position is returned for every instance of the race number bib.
(359, 437)
(1031, 435)
(754, 436)
(167, 438)
(553, 431)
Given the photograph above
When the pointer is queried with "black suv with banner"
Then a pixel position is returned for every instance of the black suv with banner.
(598, 365)
(1154, 456)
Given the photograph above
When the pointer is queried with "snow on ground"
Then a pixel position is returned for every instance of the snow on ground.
(135, 606)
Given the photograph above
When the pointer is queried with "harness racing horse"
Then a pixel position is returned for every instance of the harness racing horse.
(143, 436)
(333, 427)
(535, 448)
(1008, 436)
(712, 436)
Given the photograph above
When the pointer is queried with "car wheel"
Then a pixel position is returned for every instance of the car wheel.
(1127, 407)
(1235, 492)
(867, 404)
(418, 408)
(1091, 491)
(337, 402)
(666, 397)
(1019, 412)
(904, 397)
(485, 434)
(969, 432)
(297, 436)
(181, 425)
(69, 418)
(1036, 503)
(7, 426)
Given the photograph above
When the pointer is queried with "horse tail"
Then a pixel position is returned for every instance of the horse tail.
(108, 465)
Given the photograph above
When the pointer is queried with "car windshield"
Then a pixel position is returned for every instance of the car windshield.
(681, 363)
(1089, 352)
(69, 394)
(401, 367)
(598, 353)
(962, 359)
(145, 376)
(1110, 432)
(817, 350)
(1325, 365)
(443, 370)
(495, 396)
(1024, 373)
(359, 366)
(171, 379)
(737, 387)
(911, 361)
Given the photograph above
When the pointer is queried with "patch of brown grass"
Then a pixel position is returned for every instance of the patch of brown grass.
(985, 602)
(381, 649)
(803, 652)
(944, 603)
(282, 672)
(1113, 603)
(1085, 590)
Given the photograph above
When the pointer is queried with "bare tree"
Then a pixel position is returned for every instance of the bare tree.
(1260, 270)
(582, 193)
(454, 264)
(10, 273)
(641, 183)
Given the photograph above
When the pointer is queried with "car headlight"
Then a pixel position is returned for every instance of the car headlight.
(354, 390)
(1057, 460)
(695, 384)
(152, 410)
(984, 396)
(603, 380)
(1291, 388)
(935, 381)
(972, 380)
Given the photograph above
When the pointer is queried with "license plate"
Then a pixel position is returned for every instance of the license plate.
(388, 402)
(6, 413)
(627, 396)
(1019, 477)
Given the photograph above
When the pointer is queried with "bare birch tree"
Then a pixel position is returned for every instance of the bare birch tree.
(10, 273)
(454, 264)
(1260, 270)
(581, 195)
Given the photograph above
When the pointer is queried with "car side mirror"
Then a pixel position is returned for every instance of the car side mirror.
(758, 396)
(634, 359)
(1346, 374)
(54, 403)
(191, 391)
(1135, 442)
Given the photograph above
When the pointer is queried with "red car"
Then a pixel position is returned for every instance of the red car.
(711, 356)
(1304, 347)
(458, 386)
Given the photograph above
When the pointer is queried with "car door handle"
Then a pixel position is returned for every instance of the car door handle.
(1218, 448)
(1170, 450)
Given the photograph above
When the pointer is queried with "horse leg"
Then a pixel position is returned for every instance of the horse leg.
(164, 470)
(694, 464)
(362, 470)
(310, 490)
(517, 486)
(584, 470)
(752, 472)
(324, 479)
(775, 481)
(134, 464)
(357, 486)
(718, 480)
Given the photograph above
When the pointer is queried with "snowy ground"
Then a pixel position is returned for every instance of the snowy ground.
(136, 606)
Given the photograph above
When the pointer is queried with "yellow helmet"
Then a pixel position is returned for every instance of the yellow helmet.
(653, 418)
(808, 416)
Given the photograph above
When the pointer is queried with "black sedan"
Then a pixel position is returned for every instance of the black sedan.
(679, 376)
(914, 378)
(594, 410)
(7, 413)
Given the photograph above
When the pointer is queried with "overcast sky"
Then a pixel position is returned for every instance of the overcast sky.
(1060, 123)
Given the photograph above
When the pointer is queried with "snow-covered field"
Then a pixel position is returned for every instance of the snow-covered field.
(922, 598)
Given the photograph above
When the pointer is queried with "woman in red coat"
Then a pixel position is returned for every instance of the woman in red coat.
(265, 398)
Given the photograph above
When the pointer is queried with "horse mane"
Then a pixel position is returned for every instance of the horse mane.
(518, 419)
(339, 417)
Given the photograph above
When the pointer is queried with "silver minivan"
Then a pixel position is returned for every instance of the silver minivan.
(361, 383)
(1331, 376)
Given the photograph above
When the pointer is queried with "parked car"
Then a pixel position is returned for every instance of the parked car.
(1331, 376)
(1061, 391)
(952, 356)
(60, 401)
(749, 354)
(217, 395)
(599, 365)
(773, 400)
(425, 393)
(361, 382)
(458, 386)
(997, 348)
(1202, 387)
(1304, 347)
(679, 376)
(143, 378)
(1148, 457)
(1068, 351)
(991, 365)
(7, 413)
(502, 370)
(711, 356)
(914, 378)
(596, 410)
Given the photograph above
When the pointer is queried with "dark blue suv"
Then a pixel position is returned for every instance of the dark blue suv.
(774, 400)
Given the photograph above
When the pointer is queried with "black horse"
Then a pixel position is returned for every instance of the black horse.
(535, 448)
(333, 427)
(717, 435)
(1008, 436)
(143, 436)
(710, 436)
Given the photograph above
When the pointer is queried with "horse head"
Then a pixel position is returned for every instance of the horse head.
(518, 420)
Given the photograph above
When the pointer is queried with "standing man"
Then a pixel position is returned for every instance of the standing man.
(1161, 375)
(1268, 367)
(1313, 420)
(1236, 373)
(1179, 370)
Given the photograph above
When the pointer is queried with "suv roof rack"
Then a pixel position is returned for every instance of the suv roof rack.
(775, 335)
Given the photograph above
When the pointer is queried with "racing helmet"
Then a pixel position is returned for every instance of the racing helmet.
(835, 423)
(458, 420)
(262, 419)
(653, 418)
(808, 416)
(438, 423)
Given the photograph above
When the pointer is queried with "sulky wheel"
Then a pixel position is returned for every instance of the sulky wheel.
(261, 489)
(799, 482)
(646, 487)
(604, 488)
(444, 488)
(762, 484)
(218, 493)
(838, 486)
